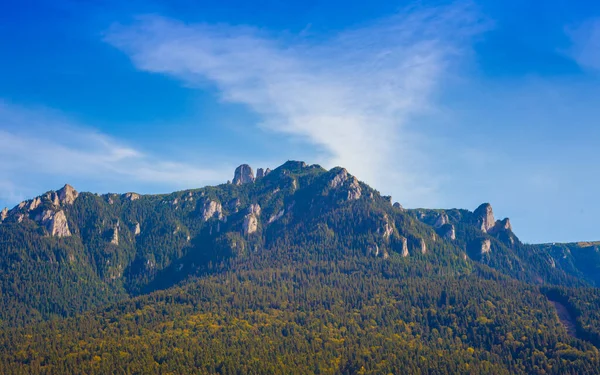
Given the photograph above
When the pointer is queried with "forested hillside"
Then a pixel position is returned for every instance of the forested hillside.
(298, 270)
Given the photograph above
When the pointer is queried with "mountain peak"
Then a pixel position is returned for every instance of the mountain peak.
(485, 217)
(243, 175)
(67, 194)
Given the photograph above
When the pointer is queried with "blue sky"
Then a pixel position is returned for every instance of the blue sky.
(440, 104)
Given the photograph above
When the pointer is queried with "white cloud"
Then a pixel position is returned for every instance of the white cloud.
(585, 38)
(39, 146)
(354, 96)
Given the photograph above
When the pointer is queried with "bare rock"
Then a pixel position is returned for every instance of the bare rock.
(501, 226)
(115, 235)
(254, 209)
(212, 209)
(67, 194)
(486, 246)
(267, 171)
(52, 197)
(55, 222)
(243, 175)
(354, 191)
(250, 224)
(448, 232)
(374, 249)
(35, 203)
(441, 220)
(260, 173)
(339, 179)
(137, 230)
(132, 196)
(404, 252)
(485, 217)
(3, 214)
(423, 246)
(277, 216)
(388, 229)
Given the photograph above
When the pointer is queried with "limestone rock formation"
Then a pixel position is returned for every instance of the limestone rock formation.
(67, 194)
(260, 173)
(485, 217)
(486, 246)
(277, 216)
(3, 214)
(250, 224)
(354, 192)
(267, 171)
(441, 220)
(137, 230)
(55, 222)
(212, 209)
(339, 178)
(115, 235)
(404, 252)
(35, 203)
(132, 196)
(243, 175)
(423, 246)
(501, 226)
(254, 209)
(448, 232)
(374, 249)
(387, 228)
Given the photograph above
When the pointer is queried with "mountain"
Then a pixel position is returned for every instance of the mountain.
(294, 270)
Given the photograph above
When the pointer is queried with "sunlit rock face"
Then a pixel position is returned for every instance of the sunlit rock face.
(485, 217)
(243, 175)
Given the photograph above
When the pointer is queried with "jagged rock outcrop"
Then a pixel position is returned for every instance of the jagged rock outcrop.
(398, 206)
(404, 252)
(115, 235)
(448, 232)
(67, 194)
(52, 196)
(501, 226)
(423, 246)
(250, 224)
(339, 179)
(374, 249)
(485, 217)
(35, 203)
(260, 173)
(137, 230)
(3, 214)
(132, 196)
(486, 246)
(441, 220)
(254, 209)
(212, 209)
(243, 175)
(55, 222)
(267, 171)
(387, 229)
(277, 216)
(354, 191)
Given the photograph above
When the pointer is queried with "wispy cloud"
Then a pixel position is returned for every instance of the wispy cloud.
(585, 38)
(38, 146)
(353, 96)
